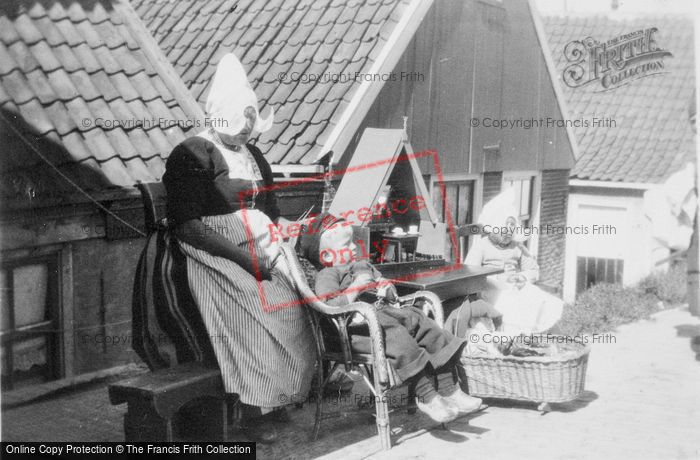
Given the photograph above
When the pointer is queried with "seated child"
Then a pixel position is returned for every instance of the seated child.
(417, 348)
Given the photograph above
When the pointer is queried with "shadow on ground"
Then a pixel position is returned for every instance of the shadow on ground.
(84, 413)
(583, 400)
(691, 331)
(350, 426)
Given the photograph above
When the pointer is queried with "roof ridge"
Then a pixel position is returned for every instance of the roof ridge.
(158, 59)
(412, 13)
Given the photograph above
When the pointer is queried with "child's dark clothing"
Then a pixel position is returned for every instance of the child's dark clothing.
(411, 339)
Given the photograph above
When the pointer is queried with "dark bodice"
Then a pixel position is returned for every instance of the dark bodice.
(197, 183)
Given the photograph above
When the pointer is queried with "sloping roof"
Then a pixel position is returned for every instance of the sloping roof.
(68, 70)
(281, 43)
(652, 137)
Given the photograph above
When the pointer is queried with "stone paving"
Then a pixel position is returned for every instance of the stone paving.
(642, 401)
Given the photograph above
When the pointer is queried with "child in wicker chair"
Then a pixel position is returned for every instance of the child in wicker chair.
(417, 348)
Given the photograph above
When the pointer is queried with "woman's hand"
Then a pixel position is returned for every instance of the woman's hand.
(260, 271)
(518, 279)
(196, 234)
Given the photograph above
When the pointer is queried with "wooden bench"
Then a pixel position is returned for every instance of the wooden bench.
(189, 395)
(155, 400)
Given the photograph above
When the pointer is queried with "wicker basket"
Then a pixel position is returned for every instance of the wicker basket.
(536, 379)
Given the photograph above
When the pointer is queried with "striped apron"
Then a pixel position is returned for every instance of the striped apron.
(266, 357)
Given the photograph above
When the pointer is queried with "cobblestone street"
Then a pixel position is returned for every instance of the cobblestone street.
(642, 401)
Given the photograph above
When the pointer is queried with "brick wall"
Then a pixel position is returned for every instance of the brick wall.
(553, 206)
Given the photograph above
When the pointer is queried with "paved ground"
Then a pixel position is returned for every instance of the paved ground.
(642, 401)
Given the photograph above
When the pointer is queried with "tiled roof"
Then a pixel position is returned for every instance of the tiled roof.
(277, 40)
(652, 138)
(67, 70)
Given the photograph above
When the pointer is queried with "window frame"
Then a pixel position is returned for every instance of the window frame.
(58, 258)
(478, 183)
(535, 178)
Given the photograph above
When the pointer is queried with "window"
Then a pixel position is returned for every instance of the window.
(593, 270)
(29, 303)
(524, 188)
(459, 199)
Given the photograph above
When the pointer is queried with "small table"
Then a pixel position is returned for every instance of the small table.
(407, 240)
(446, 281)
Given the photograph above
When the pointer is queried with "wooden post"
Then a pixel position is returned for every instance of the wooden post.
(328, 189)
(694, 251)
(694, 273)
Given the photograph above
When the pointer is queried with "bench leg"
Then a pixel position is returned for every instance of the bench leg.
(214, 419)
(204, 419)
(142, 423)
(207, 421)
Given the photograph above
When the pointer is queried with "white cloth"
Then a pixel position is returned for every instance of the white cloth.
(230, 94)
(527, 310)
(671, 209)
(499, 208)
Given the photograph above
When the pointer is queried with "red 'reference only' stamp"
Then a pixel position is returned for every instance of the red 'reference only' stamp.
(362, 216)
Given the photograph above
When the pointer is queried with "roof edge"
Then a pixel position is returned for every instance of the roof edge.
(111, 194)
(296, 169)
(165, 70)
(612, 184)
(619, 16)
(366, 94)
(551, 70)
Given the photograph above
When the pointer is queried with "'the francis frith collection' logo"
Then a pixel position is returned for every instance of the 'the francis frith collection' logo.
(616, 62)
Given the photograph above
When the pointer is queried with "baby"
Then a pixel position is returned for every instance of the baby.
(417, 348)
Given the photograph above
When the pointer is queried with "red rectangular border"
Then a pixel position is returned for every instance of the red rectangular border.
(334, 173)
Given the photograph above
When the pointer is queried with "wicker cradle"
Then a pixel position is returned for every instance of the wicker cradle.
(547, 379)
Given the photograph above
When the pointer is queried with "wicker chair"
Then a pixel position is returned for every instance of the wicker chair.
(333, 345)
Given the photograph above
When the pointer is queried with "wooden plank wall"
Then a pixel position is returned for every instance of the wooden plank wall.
(485, 49)
(104, 257)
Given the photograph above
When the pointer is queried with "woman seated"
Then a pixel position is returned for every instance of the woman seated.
(219, 211)
(525, 307)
